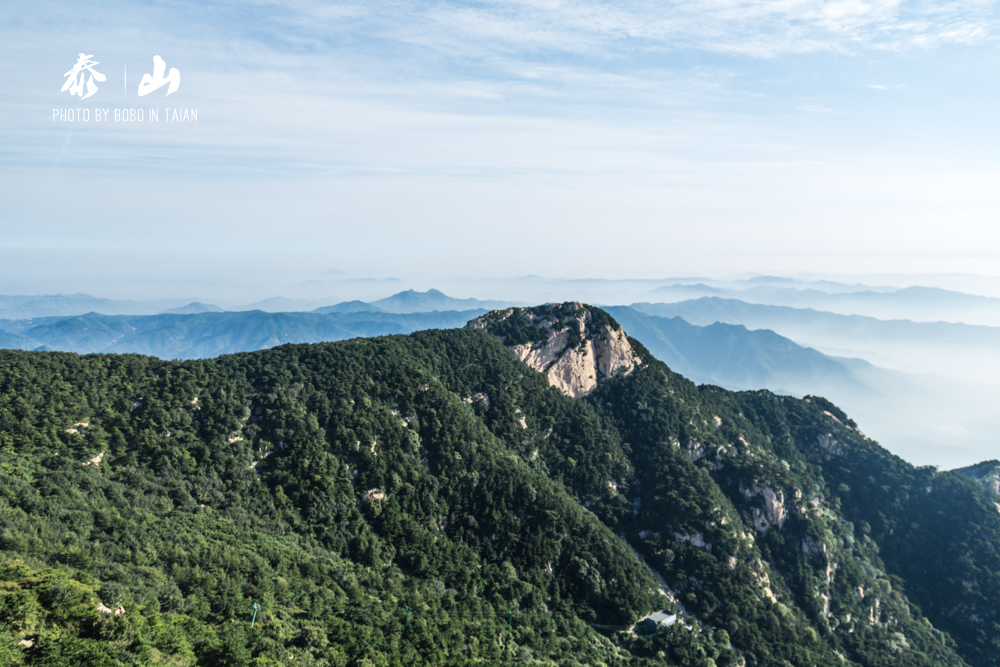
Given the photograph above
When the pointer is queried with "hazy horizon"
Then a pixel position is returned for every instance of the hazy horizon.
(316, 285)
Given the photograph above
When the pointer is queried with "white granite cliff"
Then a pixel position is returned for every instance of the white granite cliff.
(577, 351)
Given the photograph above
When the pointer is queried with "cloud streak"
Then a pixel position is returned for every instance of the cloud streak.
(758, 28)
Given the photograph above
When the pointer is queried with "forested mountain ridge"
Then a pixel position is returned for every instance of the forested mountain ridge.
(339, 484)
(727, 355)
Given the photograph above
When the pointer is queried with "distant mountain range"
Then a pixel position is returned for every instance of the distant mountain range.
(732, 356)
(918, 303)
(935, 383)
(211, 334)
(823, 328)
(193, 308)
(924, 304)
(61, 305)
(411, 301)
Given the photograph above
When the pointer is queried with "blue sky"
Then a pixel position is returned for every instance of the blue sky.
(438, 139)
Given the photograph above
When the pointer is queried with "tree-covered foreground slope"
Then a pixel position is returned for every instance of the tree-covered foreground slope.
(430, 499)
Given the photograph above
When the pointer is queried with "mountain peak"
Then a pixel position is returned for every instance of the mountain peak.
(577, 346)
(412, 301)
(193, 308)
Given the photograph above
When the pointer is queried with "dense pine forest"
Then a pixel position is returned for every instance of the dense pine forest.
(430, 500)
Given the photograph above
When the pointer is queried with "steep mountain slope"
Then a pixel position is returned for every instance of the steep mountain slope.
(335, 485)
(782, 461)
(432, 499)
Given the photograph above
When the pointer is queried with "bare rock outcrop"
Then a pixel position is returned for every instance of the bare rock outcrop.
(773, 514)
(986, 473)
(575, 345)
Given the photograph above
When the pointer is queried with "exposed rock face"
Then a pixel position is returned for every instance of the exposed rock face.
(828, 447)
(773, 514)
(694, 539)
(986, 473)
(104, 609)
(96, 461)
(575, 345)
(814, 547)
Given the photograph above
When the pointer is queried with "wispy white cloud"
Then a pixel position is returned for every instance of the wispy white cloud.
(757, 28)
(815, 108)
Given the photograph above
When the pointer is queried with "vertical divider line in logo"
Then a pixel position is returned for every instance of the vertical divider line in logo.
(125, 83)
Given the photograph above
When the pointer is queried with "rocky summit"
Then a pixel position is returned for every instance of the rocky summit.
(576, 346)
